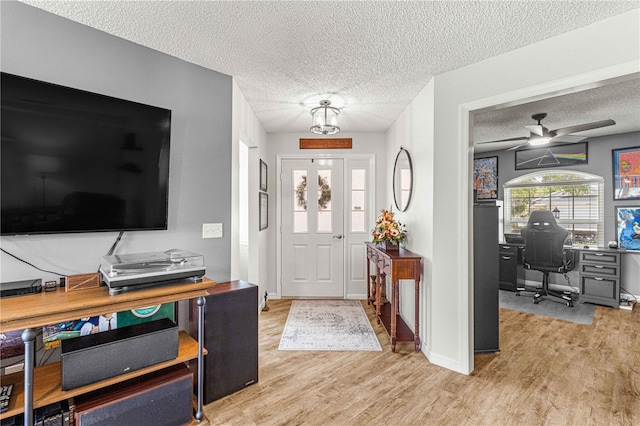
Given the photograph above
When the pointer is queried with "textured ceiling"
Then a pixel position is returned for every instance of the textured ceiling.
(619, 101)
(370, 58)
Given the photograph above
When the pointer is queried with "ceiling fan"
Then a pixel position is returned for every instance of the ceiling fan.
(540, 135)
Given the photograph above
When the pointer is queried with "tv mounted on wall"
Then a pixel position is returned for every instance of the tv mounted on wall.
(75, 161)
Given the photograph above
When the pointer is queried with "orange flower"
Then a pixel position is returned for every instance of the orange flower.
(388, 229)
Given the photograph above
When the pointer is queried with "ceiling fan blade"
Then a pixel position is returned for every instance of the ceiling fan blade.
(568, 138)
(536, 129)
(522, 138)
(582, 127)
(515, 147)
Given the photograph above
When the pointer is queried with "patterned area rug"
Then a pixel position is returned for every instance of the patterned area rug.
(328, 325)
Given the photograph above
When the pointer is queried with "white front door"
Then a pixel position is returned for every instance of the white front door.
(312, 228)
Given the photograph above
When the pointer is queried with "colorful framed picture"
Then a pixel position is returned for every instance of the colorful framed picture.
(552, 156)
(626, 173)
(485, 178)
(628, 227)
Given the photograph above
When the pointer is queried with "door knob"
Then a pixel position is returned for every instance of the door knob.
(339, 236)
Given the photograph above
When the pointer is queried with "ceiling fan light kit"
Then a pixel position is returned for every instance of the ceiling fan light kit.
(540, 135)
(539, 141)
(324, 119)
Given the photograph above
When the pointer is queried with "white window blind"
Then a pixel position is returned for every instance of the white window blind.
(575, 198)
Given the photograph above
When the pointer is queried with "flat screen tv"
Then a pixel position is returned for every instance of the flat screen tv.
(75, 161)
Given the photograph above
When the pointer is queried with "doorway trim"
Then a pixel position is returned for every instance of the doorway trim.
(466, 110)
(371, 203)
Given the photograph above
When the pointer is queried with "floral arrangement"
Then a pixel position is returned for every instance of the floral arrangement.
(388, 229)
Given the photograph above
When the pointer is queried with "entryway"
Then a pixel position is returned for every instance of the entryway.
(312, 228)
(325, 213)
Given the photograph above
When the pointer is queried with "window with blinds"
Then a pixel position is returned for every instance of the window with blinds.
(576, 200)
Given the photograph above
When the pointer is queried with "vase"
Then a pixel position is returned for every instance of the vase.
(389, 246)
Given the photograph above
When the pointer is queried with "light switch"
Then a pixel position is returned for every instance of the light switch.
(211, 230)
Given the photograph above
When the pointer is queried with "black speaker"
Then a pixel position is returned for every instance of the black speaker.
(88, 359)
(162, 398)
(231, 338)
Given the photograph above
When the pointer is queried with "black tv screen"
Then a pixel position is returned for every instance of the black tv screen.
(75, 161)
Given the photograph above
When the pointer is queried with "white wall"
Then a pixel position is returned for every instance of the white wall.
(247, 128)
(289, 144)
(413, 130)
(598, 51)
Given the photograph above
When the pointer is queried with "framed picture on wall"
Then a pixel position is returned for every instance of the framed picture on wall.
(485, 178)
(263, 208)
(263, 176)
(552, 156)
(626, 173)
(628, 227)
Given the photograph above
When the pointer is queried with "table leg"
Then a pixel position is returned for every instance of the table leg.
(417, 320)
(369, 277)
(200, 301)
(394, 314)
(28, 337)
(378, 294)
(371, 288)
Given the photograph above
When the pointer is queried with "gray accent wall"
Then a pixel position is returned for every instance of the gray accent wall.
(47, 47)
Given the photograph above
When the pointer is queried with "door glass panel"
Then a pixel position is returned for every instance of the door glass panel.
(357, 179)
(324, 201)
(300, 215)
(357, 200)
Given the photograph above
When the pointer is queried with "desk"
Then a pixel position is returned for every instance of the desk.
(397, 265)
(600, 271)
(41, 386)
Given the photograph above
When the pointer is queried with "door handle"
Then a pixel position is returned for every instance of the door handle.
(338, 237)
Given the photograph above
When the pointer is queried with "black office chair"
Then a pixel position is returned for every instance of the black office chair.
(543, 251)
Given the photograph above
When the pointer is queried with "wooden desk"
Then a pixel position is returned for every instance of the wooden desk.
(41, 386)
(396, 266)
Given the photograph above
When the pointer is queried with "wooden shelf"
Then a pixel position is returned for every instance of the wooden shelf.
(403, 332)
(37, 310)
(47, 379)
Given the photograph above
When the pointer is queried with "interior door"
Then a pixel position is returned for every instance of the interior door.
(312, 228)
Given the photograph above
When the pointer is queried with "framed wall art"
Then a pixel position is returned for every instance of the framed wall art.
(263, 208)
(552, 156)
(628, 227)
(626, 173)
(485, 178)
(263, 176)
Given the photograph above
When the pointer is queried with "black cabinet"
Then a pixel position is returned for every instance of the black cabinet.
(511, 268)
(485, 278)
(231, 338)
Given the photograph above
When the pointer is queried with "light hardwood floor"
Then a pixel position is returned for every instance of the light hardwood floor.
(548, 372)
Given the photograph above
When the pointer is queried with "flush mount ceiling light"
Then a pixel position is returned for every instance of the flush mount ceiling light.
(324, 119)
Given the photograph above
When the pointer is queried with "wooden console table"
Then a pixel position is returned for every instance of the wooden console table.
(396, 266)
(41, 386)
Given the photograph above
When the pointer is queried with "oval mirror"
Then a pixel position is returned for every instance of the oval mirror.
(402, 180)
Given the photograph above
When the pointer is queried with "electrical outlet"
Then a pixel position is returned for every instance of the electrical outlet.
(211, 230)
